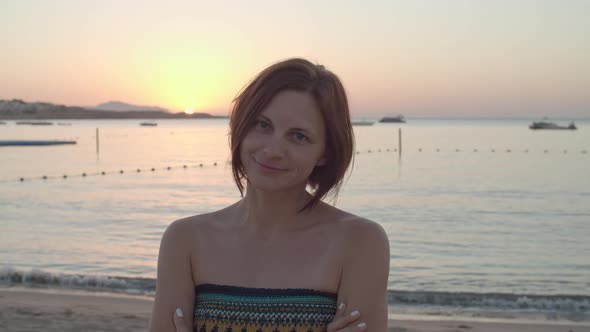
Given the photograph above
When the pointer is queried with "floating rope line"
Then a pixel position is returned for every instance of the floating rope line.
(475, 150)
(103, 173)
(368, 151)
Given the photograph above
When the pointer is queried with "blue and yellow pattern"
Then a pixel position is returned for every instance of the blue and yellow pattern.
(220, 308)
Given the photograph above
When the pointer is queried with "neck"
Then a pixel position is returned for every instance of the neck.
(274, 212)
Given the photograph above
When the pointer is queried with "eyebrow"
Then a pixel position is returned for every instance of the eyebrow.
(294, 128)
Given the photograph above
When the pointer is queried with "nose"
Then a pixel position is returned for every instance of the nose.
(273, 148)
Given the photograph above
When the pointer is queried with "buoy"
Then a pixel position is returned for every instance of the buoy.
(420, 150)
(121, 172)
(546, 151)
(457, 150)
(138, 170)
(183, 166)
(201, 165)
(508, 151)
(83, 174)
(215, 164)
(44, 177)
(103, 173)
(153, 169)
(437, 150)
(22, 179)
(65, 176)
(493, 150)
(168, 168)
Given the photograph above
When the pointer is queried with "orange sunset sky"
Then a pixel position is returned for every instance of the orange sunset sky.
(502, 58)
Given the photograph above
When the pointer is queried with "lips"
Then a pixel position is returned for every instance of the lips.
(268, 167)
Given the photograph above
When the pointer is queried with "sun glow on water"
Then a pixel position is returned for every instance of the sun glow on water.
(188, 111)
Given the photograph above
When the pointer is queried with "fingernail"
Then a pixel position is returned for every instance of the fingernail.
(341, 306)
(362, 325)
(355, 313)
(179, 313)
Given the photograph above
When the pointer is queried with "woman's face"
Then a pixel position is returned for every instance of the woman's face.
(285, 144)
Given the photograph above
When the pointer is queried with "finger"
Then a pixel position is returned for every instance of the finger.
(354, 327)
(344, 321)
(179, 324)
(339, 313)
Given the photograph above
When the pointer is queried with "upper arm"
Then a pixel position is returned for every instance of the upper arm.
(365, 273)
(174, 284)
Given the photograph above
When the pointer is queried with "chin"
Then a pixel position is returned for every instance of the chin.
(275, 185)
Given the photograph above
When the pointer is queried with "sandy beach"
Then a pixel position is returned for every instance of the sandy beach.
(36, 310)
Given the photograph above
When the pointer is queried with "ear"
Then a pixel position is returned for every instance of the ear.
(322, 161)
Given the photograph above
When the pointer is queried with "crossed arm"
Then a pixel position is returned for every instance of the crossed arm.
(363, 285)
(174, 286)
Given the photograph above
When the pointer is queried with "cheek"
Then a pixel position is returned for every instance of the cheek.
(247, 143)
(310, 160)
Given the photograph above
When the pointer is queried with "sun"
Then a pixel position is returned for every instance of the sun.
(188, 111)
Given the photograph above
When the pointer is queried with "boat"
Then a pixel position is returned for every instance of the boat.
(35, 123)
(2, 123)
(551, 125)
(362, 123)
(148, 124)
(34, 143)
(393, 119)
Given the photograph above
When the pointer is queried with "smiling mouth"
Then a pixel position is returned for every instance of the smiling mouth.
(267, 167)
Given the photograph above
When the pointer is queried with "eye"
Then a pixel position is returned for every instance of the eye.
(299, 137)
(262, 124)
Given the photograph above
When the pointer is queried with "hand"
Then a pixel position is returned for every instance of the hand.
(346, 323)
(179, 323)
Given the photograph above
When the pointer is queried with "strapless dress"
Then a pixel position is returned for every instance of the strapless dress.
(221, 308)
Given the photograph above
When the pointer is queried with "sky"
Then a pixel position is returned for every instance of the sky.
(470, 58)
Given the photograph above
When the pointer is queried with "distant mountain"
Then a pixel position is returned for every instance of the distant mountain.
(119, 106)
(17, 109)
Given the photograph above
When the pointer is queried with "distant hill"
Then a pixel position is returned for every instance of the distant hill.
(17, 109)
(118, 106)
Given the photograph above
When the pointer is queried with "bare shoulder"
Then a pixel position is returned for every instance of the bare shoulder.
(195, 226)
(356, 231)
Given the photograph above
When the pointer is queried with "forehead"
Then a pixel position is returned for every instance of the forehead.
(294, 109)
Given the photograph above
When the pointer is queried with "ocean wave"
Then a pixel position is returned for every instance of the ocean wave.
(37, 278)
(561, 304)
(495, 301)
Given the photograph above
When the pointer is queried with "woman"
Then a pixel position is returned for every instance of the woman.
(280, 259)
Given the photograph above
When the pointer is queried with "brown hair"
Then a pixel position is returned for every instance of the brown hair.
(327, 91)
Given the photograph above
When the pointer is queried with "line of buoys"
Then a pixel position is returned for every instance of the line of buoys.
(475, 150)
(138, 170)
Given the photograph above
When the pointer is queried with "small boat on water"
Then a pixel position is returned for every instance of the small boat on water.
(35, 123)
(34, 143)
(148, 124)
(362, 123)
(393, 119)
(551, 125)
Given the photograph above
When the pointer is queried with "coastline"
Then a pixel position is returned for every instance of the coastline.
(23, 309)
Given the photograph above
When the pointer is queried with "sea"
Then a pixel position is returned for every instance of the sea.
(486, 219)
